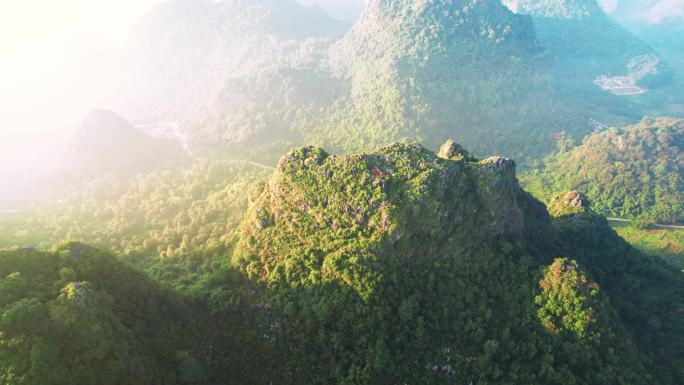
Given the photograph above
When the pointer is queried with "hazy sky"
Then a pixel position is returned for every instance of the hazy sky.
(666, 9)
(51, 52)
(54, 55)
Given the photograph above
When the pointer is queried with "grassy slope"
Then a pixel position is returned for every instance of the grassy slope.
(665, 243)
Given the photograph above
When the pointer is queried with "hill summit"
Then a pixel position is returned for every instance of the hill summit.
(402, 266)
(456, 68)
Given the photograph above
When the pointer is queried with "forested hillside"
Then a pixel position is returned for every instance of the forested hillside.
(175, 214)
(77, 315)
(634, 173)
(396, 266)
(258, 77)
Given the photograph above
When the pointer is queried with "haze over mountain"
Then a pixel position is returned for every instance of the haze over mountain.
(243, 79)
(106, 143)
(218, 86)
(226, 71)
(609, 73)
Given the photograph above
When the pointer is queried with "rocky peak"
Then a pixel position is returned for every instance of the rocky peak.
(400, 199)
(571, 202)
(451, 150)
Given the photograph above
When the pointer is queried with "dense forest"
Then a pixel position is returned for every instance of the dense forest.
(398, 266)
(175, 244)
(634, 173)
(176, 214)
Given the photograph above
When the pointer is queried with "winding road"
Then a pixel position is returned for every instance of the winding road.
(256, 164)
(652, 224)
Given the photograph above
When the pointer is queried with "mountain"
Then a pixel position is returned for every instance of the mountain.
(78, 315)
(635, 172)
(393, 266)
(253, 78)
(433, 69)
(608, 73)
(227, 71)
(400, 266)
(106, 143)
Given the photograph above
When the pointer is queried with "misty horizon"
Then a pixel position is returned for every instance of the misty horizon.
(53, 76)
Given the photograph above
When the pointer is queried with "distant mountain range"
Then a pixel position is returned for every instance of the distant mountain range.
(252, 78)
(266, 75)
(604, 70)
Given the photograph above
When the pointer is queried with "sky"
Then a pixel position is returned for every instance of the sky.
(666, 10)
(54, 55)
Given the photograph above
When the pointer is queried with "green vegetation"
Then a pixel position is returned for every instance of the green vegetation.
(569, 302)
(633, 173)
(396, 266)
(399, 66)
(164, 213)
(368, 260)
(77, 315)
(667, 244)
(182, 215)
(390, 266)
(391, 78)
(643, 290)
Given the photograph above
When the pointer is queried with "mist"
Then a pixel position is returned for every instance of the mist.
(58, 64)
